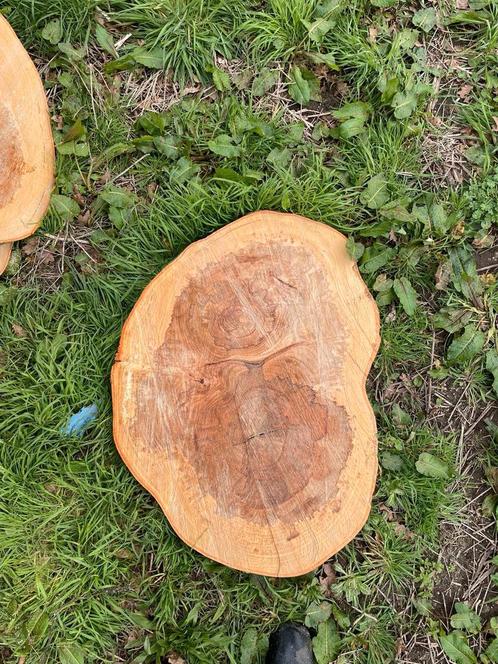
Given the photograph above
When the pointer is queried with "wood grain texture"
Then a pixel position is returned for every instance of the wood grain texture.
(26, 145)
(239, 396)
(5, 251)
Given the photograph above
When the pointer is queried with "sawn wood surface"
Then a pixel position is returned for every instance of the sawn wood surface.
(239, 396)
(26, 144)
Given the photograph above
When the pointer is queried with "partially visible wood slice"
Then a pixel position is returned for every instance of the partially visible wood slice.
(5, 251)
(26, 145)
(239, 394)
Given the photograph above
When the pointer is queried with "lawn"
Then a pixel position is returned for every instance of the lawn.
(172, 118)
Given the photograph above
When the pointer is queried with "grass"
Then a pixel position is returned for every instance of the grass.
(90, 569)
(189, 34)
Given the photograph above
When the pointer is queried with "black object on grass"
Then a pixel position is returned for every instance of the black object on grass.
(290, 644)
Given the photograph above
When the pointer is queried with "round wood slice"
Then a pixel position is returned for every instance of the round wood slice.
(239, 394)
(5, 251)
(26, 145)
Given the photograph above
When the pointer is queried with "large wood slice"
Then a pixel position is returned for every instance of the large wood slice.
(26, 145)
(239, 394)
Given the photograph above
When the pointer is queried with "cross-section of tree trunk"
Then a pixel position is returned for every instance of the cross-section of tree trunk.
(26, 145)
(239, 394)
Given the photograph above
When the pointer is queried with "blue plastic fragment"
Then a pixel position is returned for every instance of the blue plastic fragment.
(80, 421)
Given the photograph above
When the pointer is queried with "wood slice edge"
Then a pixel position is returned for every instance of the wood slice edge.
(360, 519)
(11, 228)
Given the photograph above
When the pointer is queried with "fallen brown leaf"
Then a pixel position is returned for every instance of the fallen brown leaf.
(459, 229)
(327, 577)
(443, 275)
(390, 516)
(403, 531)
(84, 218)
(464, 91)
(30, 246)
(59, 121)
(151, 189)
(46, 257)
(434, 120)
(78, 197)
(462, 4)
(488, 279)
(373, 31)
(342, 88)
(19, 331)
(485, 242)
(175, 658)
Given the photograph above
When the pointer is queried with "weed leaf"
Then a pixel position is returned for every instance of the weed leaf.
(425, 19)
(327, 7)
(249, 646)
(117, 197)
(264, 82)
(121, 64)
(464, 348)
(375, 195)
(406, 39)
(326, 643)
(354, 249)
(391, 461)
(382, 284)
(465, 619)
(404, 103)
(388, 87)
(184, 170)
(299, 87)
(279, 157)
(457, 649)
(465, 278)
(318, 29)
(152, 123)
(318, 612)
(73, 54)
(221, 79)
(396, 212)
(66, 208)
(373, 263)
(75, 132)
(451, 319)
(356, 109)
(400, 416)
(52, 32)
(223, 145)
(140, 620)
(439, 219)
(324, 59)
(152, 59)
(71, 653)
(351, 127)
(38, 625)
(406, 295)
(491, 651)
(167, 145)
(105, 40)
(492, 367)
(430, 466)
